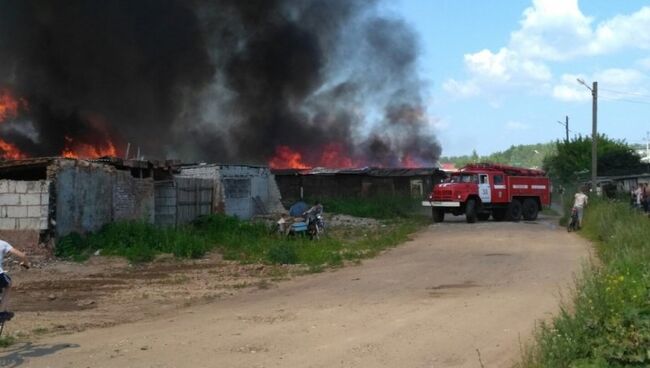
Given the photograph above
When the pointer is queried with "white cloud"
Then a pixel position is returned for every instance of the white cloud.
(516, 125)
(554, 31)
(570, 90)
(622, 31)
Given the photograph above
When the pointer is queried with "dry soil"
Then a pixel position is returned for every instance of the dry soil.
(457, 295)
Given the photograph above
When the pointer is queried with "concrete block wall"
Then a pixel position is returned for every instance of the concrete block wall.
(24, 204)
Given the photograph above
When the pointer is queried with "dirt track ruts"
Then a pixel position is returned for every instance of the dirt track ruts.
(431, 302)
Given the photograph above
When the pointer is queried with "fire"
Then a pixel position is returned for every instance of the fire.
(84, 150)
(9, 105)
(409, 162)
(334, 156)
(10, 151)
(9, 108)
(286, 158)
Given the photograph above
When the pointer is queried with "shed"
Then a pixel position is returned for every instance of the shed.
(239, 190)
(295, 184)
(54, 196)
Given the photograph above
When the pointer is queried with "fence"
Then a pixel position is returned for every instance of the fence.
(181, 200)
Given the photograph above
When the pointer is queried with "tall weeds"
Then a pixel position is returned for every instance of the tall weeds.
(237, 240)
(608, 322)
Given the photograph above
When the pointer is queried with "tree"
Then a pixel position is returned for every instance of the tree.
(572, 160)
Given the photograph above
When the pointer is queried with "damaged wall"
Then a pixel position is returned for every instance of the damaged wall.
(242, 191)
(133, 198)
(84, 193)
(90, 195)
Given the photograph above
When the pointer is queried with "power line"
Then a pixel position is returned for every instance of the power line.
(625, 93)
(613, 99)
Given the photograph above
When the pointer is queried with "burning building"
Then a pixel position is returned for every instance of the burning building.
(290, 84)
(44, 198)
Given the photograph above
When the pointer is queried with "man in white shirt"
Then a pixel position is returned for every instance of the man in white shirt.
(5, 280)
(580, 201)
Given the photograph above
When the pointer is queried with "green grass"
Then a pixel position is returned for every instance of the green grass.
(6, 341)
(607, 324)
(237, 240)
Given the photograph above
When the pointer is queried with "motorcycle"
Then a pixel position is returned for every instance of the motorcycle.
(574, 223)
(315, 225)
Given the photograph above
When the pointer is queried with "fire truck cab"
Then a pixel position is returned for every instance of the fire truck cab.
(479, 191)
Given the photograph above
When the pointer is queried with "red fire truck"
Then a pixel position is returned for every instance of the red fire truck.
(480, 190)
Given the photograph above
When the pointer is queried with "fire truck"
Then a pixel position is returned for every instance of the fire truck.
(480, 190)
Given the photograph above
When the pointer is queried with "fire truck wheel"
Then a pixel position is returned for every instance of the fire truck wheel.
(499, 214)
(470, 211)
(438, 214)
(514, 210)
(530, 209)
(483, 216)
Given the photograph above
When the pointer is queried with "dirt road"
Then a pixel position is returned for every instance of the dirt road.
(431, 302)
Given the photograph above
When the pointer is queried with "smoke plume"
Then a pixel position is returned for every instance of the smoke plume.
(225, 81)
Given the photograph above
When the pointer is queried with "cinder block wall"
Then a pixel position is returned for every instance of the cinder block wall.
(24, 204)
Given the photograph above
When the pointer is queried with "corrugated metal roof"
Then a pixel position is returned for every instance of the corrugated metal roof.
(369, 171)
(36, 161)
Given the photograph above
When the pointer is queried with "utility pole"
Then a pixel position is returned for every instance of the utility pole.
(594, 135)
(566, 127)
(594, 131)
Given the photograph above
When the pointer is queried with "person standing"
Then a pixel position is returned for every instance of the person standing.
(638, 196)
(579, 203)
(5, 280)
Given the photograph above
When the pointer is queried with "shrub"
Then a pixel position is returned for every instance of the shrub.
(282, 253)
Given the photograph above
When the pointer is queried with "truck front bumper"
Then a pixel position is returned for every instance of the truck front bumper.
(440, 204)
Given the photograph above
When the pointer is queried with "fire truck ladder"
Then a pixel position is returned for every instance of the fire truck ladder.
(509, 170)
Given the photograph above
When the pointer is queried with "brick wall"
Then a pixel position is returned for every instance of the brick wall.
(24, 204)
(133, 198)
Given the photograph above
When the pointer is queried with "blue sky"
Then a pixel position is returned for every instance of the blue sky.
(503, 73)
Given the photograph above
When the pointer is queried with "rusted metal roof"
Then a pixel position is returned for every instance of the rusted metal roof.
(368, 171)
(36, 161)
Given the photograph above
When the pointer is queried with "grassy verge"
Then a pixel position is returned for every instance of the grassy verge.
(608, 321)
(236, 240)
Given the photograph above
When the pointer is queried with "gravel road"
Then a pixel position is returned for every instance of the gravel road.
(454, 290)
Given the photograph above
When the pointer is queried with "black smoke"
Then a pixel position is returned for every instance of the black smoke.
(225, 81)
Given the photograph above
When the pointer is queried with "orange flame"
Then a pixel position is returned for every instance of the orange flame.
(409, 162)
(83, 150)
(334, 156)
(9, 107)
(286, 158)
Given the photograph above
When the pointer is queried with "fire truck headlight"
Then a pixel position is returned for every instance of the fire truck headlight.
(459, 196)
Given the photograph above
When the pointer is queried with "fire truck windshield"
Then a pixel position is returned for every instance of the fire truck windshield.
(464, 178)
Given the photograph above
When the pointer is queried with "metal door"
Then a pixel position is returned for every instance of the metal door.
(484, 191)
